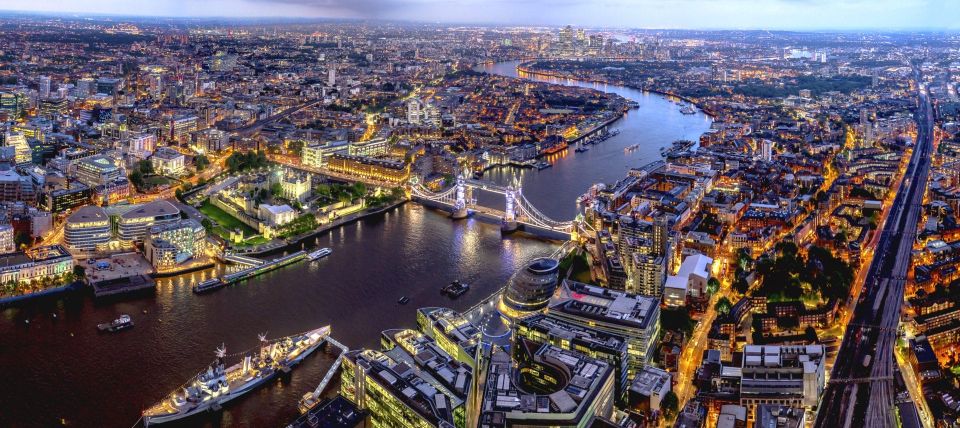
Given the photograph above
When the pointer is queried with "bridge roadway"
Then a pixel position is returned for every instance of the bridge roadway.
(872, 329)
(255, 127)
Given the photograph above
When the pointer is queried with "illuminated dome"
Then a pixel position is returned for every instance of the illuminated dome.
(530, 288)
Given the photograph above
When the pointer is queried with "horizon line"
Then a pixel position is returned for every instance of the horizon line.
(825, 30)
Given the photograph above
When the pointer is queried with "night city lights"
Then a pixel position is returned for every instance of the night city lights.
(480, 213)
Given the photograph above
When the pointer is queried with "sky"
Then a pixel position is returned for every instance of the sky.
(682, 14)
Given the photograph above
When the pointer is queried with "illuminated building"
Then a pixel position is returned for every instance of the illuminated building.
(542, 386)
(43, 87)
(96, 170)
(766, 152)
(87, 228)
(7, 243)
(369, 148)
(422, 351)
(651, 241)
(776, 416)
(13, 186)
(85, 87)
(573, 337)
(212, 139)
(135, 223)
(317, 154)
(13, 103)
(421, 113)
(170, 244)
(31, 130)
(112, 192)
(276, 215)
(180, 128)
(60, 200)
(143, 144)
(167, 161)
(35, 265)
(396, 394)
(648, 389)
(295, 187)
(530, 288)
(647, 275)
(53, 107)
(786, 375)
(394, 172)
(22, 152)
(109, 86)
(452, 332)
(690, 281)
(634, 317)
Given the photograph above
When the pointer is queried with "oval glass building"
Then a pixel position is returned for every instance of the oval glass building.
(530, 288)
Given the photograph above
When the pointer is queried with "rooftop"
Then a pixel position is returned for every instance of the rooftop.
(577, 381)
(650, 380)
(336, 412)
(602, 304)
(89, 213)
(153, 209)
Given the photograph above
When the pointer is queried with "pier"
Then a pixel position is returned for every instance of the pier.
(311, 399)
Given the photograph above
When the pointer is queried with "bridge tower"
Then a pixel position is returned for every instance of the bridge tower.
(460, 205)
(511, 209)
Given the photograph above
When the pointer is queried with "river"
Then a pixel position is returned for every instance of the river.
(59, 370)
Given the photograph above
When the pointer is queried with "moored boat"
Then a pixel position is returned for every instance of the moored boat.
(319, 254)
(208, 285)
(220, 383)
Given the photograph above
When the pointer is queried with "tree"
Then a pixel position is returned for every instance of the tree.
(741, 285)
(136, 178)
(206, 223)
(359, 189)
(201, 162)
(276, 189)
(713, 285)
(22, 239)
(670, 404)
(296, 147)
(145, 167)
(723, 306)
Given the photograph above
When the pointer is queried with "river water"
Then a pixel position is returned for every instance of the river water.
(59, 371)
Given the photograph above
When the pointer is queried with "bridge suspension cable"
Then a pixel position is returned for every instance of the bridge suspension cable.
(523, 207)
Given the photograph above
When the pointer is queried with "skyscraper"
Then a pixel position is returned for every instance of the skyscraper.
(766, 152)
(44, 89)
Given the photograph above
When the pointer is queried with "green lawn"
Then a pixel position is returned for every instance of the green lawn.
(224, 219)
(256, 240)
(156, 180)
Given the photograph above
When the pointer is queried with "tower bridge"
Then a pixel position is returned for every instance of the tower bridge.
(518, 213)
